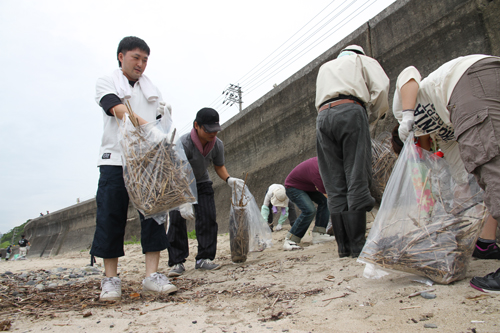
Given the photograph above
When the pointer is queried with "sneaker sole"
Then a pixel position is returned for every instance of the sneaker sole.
(154, 292)
(115, 298)
(174, 274)
(484, 290)
(208, 269)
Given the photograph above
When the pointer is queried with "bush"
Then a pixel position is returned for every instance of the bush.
(192, 234)
(133, 240)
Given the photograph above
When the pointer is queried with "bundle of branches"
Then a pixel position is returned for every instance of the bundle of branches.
(238, 227)
(154, 174)
(438, 250)
(383, 159)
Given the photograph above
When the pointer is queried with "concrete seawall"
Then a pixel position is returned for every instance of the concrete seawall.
(277, 132)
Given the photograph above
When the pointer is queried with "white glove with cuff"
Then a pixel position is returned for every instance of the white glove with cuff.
(406, 124)
(231, 181)
(186, 211)
(162, 106)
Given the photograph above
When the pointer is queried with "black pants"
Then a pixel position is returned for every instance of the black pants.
(206, 229)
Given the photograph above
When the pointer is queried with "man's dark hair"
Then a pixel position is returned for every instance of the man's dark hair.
(22, 236)
(131, 43)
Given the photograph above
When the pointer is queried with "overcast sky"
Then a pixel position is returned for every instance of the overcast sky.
(53, 51)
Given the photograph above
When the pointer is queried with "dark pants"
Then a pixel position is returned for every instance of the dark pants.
(305, 201)
(205, 225)
(111, 218)
(344, 157)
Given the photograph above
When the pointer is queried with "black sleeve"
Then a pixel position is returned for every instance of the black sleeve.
(108, 101)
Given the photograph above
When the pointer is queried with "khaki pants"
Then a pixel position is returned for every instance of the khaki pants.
(475, 113)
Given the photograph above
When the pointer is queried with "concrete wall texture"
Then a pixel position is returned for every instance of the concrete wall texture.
(277, 132)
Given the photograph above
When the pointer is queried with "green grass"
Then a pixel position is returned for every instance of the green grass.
(4, 245)
(133, 240)
(192, 234)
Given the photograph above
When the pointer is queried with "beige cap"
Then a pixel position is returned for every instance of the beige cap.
(279, 198)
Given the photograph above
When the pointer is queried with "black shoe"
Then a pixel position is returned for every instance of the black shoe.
(488, 284)
(491, 252)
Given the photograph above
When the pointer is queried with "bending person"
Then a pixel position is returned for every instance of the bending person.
(276, 201)
(304, 187)
(464, 95)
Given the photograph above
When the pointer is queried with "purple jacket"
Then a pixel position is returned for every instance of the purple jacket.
(306, 177)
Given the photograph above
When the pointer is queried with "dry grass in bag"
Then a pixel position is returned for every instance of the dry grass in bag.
(154, 175)
(239, 237)
(439, 248)
(383, 160)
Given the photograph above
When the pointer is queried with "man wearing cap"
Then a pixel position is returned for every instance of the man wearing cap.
(351, 93)
(276, 201)
(304, 188)
(202, 148)
(23, 246)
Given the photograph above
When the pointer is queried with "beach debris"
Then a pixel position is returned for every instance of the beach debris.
(428, 295)
(430, 326)
(419, 292)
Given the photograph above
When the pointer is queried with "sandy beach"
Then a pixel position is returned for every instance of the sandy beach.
(307, 290)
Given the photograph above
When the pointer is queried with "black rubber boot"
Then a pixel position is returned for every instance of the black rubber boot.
(355, 226)
(340, 235)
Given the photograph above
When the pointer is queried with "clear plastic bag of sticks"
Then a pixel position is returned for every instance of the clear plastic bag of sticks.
(383, 160)
(157, 174)
(428, 221)
(248, 232)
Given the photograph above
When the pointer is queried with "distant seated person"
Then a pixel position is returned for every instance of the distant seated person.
(23, 244)
(275, 202)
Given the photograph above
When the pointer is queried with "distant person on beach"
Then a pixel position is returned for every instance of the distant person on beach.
(276, 202)
(23, 246)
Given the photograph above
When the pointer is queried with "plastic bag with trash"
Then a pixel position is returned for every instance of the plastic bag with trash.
(248, 232)
(423, 227)
(157, 173)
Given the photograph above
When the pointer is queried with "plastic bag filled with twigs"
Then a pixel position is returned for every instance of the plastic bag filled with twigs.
(248, 232)
(428, 222)
(383, 159)
(157, 174)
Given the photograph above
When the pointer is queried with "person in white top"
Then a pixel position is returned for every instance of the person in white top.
(464, 94)
(127, 84)
(276, 201)
(351, 94)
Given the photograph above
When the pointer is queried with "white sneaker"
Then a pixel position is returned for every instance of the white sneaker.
(289, 245)
(111, 289)
(321, 238)
(157, 283)
(279, 227)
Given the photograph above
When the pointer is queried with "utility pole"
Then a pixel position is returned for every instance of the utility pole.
(233, 95)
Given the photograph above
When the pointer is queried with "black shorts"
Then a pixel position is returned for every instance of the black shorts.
(111, 218)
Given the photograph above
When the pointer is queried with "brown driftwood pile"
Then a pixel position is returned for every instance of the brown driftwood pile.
(154, 175)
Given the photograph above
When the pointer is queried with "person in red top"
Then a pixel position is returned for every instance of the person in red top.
(304, 187)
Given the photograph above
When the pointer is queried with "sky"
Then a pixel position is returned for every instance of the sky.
(53, 51)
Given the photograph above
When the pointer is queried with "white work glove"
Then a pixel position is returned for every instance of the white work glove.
(279, 227)
(231, 181)
(406, 124)
(162, 106)
(186, 211)
(156, 135)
